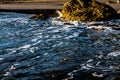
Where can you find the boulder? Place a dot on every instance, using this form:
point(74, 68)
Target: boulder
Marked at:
point(44, 14)
point(87, 10)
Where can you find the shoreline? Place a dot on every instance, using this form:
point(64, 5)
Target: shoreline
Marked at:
point(27, 11)
point(30, 8)
point(36, 7)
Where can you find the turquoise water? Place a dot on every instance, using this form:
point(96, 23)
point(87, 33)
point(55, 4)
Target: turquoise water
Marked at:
point(54, 49)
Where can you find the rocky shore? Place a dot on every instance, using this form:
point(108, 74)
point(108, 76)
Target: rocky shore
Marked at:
point(80, 10)
point(94, 11)
point(90, 10)
point(55, 49)
point(30, 6)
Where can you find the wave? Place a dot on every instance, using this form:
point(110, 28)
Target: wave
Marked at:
point(55, 47)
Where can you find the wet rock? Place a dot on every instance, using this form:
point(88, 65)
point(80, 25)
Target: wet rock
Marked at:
point(39, 16)
point(88, 10)
point(118, 11)
point(117, 77)
point(45, 14)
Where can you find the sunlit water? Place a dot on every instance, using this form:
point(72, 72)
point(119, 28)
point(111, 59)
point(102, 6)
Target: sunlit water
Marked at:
point(54, 49)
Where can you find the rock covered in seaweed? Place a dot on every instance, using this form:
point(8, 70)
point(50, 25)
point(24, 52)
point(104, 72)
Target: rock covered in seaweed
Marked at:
point(88, 10)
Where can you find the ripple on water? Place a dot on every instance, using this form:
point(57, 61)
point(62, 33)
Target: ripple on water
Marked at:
point(57, 49)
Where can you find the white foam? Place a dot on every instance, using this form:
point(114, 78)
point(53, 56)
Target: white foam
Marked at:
point(7, 73)
point(13, 51)
point(97, 75)
point(59, 44)
point(31, 50)
point(12, 68)
point(96, 22)
point(98, 27)
point(90, 60)
point(46, 54)
point(76, 23)
point(14, 19)
point(71, 36)
point(38, 57)
point(98, 63)
point(1, 59)
point(114, 67)
point(86, 66)
point(70, 76)
point(34, 40)
point(56, 22)
point(114, 54)
point(25, 47)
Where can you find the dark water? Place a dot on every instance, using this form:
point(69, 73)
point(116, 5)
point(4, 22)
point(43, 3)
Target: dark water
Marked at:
point(58, 50)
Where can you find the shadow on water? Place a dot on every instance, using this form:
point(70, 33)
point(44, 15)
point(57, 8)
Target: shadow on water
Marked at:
point(58, 50)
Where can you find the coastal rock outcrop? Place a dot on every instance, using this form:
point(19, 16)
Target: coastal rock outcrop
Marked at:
point(87, 10)
point(45, 14)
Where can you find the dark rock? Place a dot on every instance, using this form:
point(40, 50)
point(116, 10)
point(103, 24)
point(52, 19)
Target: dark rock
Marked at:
point(88, 10)
point(117, 77)
point(39, 16)
point(118, 11)
point(114, 76)
point(45, 14)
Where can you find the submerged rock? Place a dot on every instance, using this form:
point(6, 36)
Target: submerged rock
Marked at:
point(88, 10)
point(45, 14)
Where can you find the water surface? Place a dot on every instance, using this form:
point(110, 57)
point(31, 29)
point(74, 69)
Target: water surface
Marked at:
point(54, 49)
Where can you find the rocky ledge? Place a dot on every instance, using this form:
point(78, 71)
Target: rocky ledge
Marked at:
point(45, 14)
point(88, 10)
point(81, 10)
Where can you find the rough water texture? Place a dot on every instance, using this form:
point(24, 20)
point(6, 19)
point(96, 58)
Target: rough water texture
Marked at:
point(53, 49)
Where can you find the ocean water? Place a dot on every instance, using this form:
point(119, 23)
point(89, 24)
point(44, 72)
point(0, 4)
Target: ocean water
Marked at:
point(55, 49)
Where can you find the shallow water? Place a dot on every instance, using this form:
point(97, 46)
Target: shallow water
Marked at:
point(54, 49)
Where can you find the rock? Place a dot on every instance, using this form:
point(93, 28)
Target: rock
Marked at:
point(87, 10)
point(45, 14)
point(118, 11)
point(39, 16)
point(117, 77)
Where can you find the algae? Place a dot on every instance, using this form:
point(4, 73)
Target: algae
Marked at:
point(87, 10)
